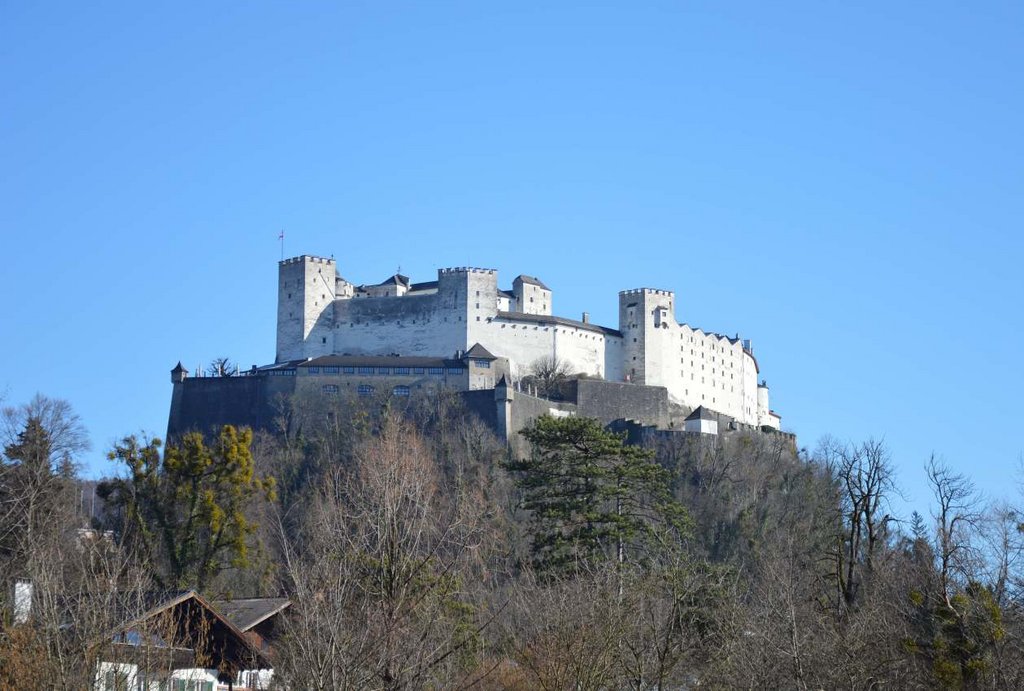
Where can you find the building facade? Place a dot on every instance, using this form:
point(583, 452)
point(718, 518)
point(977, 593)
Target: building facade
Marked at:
point(321, 314)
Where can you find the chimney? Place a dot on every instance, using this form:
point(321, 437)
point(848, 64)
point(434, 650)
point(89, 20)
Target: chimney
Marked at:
point(22, 601)
point(586, 317)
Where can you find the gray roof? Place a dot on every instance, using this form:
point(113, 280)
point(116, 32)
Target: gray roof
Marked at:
point(426, 285)
point(247, 613)
point(701, 413)
point(543, 319)
point(480, 353)
point(397, 279)
point(533, 280)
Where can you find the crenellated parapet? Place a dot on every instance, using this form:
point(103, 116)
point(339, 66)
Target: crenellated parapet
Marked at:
point(466, 270)
point(303, 258)
point(646, 291)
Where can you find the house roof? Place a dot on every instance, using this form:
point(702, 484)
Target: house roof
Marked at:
point(532, 280)
point(249, 612)
point(701, 413)
point(480, 353)
point(221, 638)
point(542, 319)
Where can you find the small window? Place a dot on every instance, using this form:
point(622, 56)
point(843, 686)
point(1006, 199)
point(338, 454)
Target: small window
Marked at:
point(313, 370)
point(401, 370)
point(348, 370)
point(324, 339)
point(417, 370)
point(435, 370)
point(400, 391)
point(329, 388)
point(331, 370)
point(364, 370)
point(455, 370)
point(365, 390)
point(383, 370)
point(483, 364)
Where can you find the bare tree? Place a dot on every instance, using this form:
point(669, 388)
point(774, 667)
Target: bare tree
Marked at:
point(221, 367)
point(957, 515)
point(865, 479)
point(383, 573)
point(548, 374)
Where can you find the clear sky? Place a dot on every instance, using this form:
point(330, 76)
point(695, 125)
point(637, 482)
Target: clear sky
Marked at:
point(840, 182)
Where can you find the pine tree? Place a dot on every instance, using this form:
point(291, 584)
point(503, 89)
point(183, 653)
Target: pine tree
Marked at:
point(592, 497)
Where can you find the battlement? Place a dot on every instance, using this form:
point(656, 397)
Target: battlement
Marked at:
point(306, 257)
point(647, 291)
point(466, 270)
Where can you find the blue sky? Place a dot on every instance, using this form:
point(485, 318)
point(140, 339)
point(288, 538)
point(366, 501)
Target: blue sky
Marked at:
point(842, 184)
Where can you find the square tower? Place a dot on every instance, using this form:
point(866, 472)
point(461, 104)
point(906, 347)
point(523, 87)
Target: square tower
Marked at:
point(305, 307)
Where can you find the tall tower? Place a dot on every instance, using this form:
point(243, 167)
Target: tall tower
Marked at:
point(305, 307)
point(647, 321)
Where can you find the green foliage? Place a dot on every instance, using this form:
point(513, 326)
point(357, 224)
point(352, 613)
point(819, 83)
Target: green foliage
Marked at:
point(186, 510)
point(592, 497)
point(958, 636)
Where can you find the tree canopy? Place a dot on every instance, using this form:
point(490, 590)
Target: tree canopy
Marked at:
point(186, 509)
point(591, 496)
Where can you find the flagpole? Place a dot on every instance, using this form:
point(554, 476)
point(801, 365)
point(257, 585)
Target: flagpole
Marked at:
point(280, 237)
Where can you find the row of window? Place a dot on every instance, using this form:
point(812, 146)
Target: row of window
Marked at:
point(384, 370)
point(367, 390)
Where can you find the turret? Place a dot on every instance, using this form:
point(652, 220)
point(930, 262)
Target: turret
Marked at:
point(763, 407)
point(179, 374)
point(503, 397)
point(305, 307)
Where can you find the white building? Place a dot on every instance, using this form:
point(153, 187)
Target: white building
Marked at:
point(320, 313)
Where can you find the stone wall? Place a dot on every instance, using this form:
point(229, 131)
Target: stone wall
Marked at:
point(608, 401)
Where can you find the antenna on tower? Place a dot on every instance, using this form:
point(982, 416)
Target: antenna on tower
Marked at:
point(280, 236)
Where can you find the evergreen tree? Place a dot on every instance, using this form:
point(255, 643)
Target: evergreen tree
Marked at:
point(29, 490)
point(592, 497)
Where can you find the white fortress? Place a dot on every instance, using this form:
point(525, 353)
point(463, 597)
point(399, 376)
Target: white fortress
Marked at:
point(320, 313)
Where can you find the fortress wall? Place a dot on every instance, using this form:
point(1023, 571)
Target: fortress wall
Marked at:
point(523, 343)
point(608, 401)
point(614, 359)
point(204, 404)
point(408, 325)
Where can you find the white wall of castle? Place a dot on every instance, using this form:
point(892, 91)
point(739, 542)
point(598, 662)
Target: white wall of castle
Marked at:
point(697, 368)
